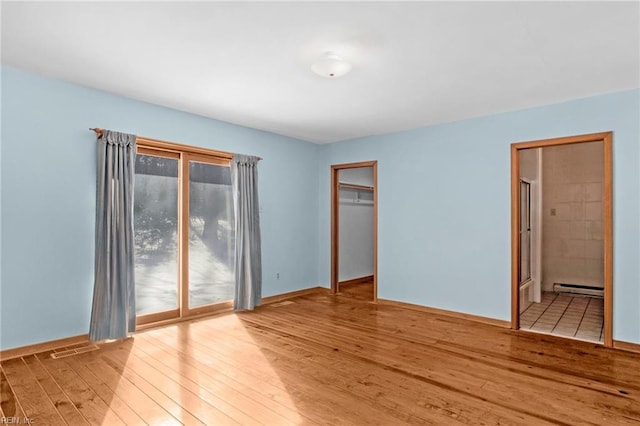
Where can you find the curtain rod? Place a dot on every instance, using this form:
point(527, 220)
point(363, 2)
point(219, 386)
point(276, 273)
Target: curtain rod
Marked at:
point(100, 133)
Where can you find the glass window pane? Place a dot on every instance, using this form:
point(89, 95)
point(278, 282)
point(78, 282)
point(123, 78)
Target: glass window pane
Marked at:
point(211, 235)
point(156, 234)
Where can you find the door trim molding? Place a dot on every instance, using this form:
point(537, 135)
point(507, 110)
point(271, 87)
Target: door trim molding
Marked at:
point(607, 139)
point(335, 202)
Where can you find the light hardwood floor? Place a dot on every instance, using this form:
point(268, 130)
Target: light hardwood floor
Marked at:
point(360, 291)
point(321, 359)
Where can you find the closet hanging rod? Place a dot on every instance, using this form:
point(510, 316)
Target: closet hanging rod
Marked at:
point(359, 202)
point(353, 186)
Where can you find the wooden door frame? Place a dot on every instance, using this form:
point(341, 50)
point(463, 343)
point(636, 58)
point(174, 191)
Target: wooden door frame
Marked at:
point(607, 139)
point(335, 235)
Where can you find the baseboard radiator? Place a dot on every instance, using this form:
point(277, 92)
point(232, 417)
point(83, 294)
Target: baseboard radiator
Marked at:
point(579, 289)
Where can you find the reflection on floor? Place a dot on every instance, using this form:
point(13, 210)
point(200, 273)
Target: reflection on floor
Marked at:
point(566, 315)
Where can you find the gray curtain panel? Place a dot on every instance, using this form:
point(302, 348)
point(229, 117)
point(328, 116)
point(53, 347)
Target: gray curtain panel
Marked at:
point(248, 264)
point(113, 314)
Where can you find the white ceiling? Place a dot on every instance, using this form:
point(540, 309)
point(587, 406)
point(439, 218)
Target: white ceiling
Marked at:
point(414, 63)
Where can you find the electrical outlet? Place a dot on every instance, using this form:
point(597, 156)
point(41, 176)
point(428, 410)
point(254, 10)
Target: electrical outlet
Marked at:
point(277, 275)
point(553, 212)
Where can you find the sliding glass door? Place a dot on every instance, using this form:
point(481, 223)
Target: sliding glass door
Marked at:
point(211, 234)
point(184, 235)
point(156, 235)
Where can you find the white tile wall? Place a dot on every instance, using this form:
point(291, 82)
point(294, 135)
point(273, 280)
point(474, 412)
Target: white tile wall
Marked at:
point(572, 250)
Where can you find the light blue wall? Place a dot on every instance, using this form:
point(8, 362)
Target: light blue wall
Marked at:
point(443, 194)
point(48, 198)
point(444, 205)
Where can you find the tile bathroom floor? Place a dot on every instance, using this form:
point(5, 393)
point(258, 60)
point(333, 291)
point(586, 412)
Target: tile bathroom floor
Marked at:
point(580, 317)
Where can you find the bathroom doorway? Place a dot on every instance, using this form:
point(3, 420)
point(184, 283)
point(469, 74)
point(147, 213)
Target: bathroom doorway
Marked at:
point(561, 208)
point(354, 230)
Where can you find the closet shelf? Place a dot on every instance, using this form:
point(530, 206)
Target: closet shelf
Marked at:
point(354, 186)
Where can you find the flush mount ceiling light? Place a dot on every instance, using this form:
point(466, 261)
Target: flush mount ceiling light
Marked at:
point(331, 65)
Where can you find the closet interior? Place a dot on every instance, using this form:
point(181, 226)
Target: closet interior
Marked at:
point(356, 232)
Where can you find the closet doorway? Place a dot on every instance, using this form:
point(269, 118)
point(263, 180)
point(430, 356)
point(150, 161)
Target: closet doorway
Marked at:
point(354, 246)
point(562, 237)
